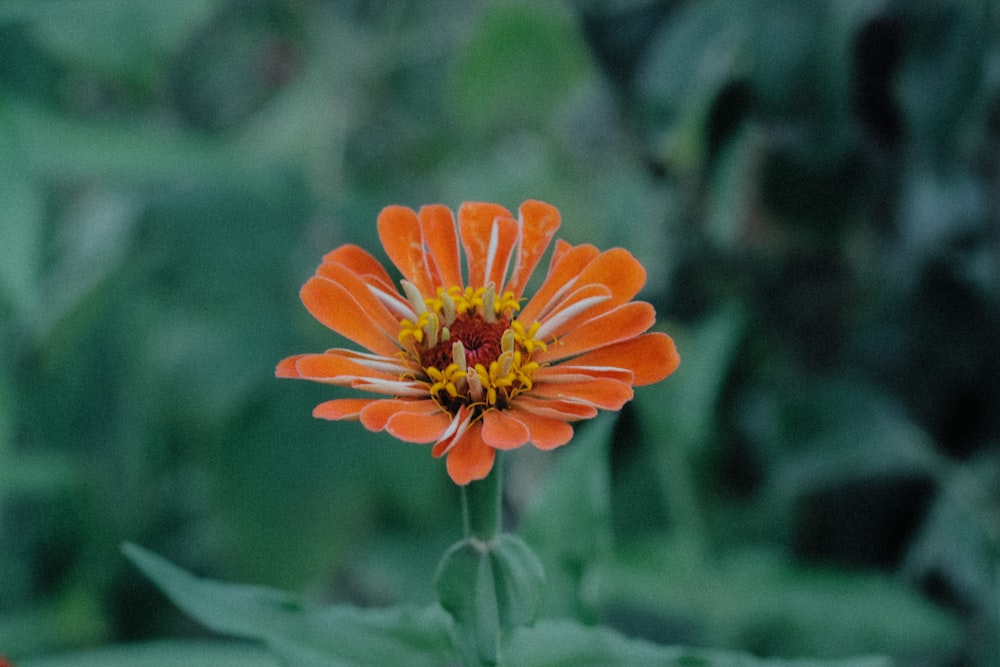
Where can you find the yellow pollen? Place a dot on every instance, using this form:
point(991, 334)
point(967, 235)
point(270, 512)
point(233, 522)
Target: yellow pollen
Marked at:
point(458, 301)
point(451, 380)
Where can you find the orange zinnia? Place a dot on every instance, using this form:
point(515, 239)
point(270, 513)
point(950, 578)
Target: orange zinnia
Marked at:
point(467, 363)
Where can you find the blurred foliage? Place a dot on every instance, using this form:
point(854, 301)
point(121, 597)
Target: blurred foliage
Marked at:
point(813, 188)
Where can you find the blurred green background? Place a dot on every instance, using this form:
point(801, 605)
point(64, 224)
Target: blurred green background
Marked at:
point(813, 188)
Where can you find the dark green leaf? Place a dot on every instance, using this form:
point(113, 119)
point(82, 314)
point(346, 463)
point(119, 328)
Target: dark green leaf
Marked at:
point(162, 654)
point(22, 223)
point(563, 643)
point(131, 152)
point(958, 541)
point(569, 522)
point(299, 633)
point(117, 37)
point(758, 599)
point(680, 411)
point(944, 72)
point(678, 416)
point(521, 60)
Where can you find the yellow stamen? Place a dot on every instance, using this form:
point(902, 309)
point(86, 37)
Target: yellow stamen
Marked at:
point(414, 330)
point(450, 380)
point(526, 337)
point(468, 300)
point(507, 303)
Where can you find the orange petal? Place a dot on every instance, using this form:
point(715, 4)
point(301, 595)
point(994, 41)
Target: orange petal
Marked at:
point(488, 235)
point(286, 367)
point(546, 432)
point(361, 262)
point(561, 272)
point(619, 271)
point(539, 221)
point(579, 305)
point(417, 427)
point(502, 431)
point(335, 369)
point(651, 357)
point(561, 248)
point(565, 372)
point(438, 228)
point(362, 294)
point(470, 458)
point(376, 415)
point(399, 231)
point(394, 366)
point(410, 389)
point(460, 423)
point(599, 392)
point(342, 408)
point(626, 321)
point(556, 409)
point(337, 308)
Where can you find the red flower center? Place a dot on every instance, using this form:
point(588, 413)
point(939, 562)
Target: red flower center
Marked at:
point(481, 339)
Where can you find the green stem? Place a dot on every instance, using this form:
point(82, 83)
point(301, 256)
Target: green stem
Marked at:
point(481, 505)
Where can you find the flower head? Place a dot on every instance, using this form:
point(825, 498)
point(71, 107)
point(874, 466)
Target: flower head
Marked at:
point(463, 359)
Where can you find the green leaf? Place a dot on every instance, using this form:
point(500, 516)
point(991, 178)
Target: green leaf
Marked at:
point(22, 223)
point(119, 38)
point(73, 619)
point(161, 654)
point(958, 540)
point(791, 57)
point(569, 522)
point(757, 599)
point(949, 40)
point(566, 642)
point(698, 52)
point(303, 635)
point(489, 588)
point(561, 642)
point(817, 448)
point(520, 62)
point(678, 416)
point(734, 182)
point(36, 472)
point(131, 152)
point(681, 411)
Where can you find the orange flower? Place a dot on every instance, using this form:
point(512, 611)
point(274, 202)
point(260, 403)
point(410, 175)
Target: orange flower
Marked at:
point(468, 363)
